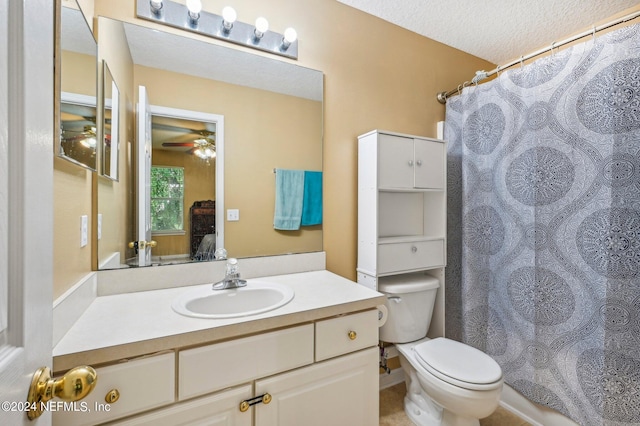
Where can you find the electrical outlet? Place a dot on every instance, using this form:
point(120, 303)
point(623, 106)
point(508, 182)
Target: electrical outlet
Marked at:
point(99, 225)
point(233, 215)
point(84, 230)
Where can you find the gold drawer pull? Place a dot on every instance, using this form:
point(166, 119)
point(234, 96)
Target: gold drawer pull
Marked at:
point(264, 398)
point(112, 396)
point(352, 335)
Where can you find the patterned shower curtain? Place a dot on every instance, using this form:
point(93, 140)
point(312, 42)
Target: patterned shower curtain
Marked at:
point(544, 227)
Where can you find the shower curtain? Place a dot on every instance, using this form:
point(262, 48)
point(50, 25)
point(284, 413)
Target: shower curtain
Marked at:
point(544, 227)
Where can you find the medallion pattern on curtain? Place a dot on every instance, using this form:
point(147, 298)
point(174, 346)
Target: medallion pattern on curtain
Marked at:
point(544, 227)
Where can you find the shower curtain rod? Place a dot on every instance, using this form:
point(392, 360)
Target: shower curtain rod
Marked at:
point(481, 75)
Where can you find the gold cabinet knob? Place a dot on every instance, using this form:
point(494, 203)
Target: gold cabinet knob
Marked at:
point(112, 396)
point(244, 406)
point(152, 243)
point(266, 398)
point(352, 335)
point(73, 386)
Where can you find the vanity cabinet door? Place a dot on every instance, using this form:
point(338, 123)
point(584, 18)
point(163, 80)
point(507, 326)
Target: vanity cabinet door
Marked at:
point(341, 391)
point(220, 409)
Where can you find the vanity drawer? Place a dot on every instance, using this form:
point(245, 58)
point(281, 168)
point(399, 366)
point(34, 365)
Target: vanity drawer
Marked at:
point(344, 334)
point(221, 365)
point(142, 384)
point(410, 256)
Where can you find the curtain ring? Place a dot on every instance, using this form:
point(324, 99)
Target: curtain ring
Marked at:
point(498, 70)
point(553, 44)
point(593, 34)
point(521, 61)
point(459, 89)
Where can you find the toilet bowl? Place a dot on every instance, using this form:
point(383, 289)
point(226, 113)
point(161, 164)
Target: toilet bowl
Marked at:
point(448, 383)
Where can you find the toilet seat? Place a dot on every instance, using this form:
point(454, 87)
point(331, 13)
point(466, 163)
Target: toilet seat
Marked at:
point(459, 364)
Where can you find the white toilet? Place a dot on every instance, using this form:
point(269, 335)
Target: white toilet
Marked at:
point(448, 383)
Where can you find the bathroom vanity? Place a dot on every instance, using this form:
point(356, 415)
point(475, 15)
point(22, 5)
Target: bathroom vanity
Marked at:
point(311, 361)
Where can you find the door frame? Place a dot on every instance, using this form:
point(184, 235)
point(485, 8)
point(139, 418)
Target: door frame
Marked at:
point(26, 196)
point(219, 122)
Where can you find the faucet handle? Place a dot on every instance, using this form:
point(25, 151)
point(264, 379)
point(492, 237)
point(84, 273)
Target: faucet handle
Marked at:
point(233, 269)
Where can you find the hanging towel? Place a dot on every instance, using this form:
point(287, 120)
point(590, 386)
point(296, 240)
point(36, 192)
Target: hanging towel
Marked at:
point(312, 199)
point(289, 193)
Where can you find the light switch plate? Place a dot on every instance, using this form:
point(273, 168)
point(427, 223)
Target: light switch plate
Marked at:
point(233, 215)
point(84, 230)
point(99, 225)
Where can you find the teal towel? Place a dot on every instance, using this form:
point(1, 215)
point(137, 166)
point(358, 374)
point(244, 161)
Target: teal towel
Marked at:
point(312, 199)
point(289, 193)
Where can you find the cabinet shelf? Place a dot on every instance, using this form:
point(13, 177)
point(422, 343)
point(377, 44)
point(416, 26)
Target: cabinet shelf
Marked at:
point(408, 239)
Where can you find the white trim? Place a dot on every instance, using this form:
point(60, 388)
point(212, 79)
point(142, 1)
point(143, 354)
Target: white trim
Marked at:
point(78, 99)
point(535, 414)
point(395, 377)
point(219, 121)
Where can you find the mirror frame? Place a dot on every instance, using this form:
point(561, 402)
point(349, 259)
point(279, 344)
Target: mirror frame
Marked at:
point(110, 149)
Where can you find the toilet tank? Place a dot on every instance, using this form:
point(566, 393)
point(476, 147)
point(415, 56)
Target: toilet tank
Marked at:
point(410, 302)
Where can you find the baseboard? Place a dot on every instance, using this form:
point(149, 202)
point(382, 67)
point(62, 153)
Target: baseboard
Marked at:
point(391, 379)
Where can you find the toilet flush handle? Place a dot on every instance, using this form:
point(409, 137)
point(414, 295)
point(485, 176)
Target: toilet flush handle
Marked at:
point(396, 299)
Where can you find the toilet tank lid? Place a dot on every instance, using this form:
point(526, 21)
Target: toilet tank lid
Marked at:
point(399, 284)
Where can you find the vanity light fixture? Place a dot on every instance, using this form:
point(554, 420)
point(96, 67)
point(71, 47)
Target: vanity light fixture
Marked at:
point(262, 26)
point(229, 16)
point(193, 10)
point(191, 17)
point(156, 6)
point(290, 36)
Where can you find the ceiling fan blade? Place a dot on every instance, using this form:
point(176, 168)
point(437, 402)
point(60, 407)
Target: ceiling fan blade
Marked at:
point(189, 144)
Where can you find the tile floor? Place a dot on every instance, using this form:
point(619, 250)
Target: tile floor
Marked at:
point(392, 411)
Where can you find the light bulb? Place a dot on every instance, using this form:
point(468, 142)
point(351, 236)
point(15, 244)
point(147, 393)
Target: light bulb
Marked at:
point(194, 7)
point(262, 26)
point(290, 35)
point(229, 16)
point(156, 5)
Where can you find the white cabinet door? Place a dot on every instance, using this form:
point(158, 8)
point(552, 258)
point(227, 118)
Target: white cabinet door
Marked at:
point(429, 164)
point(339, 392)
point(395, 161)
point(221, 409)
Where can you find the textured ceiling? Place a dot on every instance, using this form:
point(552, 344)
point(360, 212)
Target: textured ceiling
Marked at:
point(498, 31)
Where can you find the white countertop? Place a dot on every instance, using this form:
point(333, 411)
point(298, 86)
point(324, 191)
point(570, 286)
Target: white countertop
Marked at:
point(134, 324)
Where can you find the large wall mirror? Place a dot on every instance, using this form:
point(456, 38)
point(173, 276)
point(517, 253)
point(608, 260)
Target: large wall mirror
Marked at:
point(78, 126)
point(273, 116)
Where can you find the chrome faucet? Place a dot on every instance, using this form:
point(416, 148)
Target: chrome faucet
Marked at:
point(231, 278)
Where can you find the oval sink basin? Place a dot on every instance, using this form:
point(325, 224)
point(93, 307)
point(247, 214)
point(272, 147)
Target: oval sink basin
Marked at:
point(257, 297)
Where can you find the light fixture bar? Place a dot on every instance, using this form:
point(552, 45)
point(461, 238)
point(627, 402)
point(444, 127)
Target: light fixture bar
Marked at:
point(211, 25)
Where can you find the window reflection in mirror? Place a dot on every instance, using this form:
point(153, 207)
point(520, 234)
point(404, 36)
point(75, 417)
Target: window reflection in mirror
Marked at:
point(183, 174)
point(78, 129)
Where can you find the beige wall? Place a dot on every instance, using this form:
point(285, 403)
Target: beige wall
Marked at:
point(115, 197)
point(72, 188)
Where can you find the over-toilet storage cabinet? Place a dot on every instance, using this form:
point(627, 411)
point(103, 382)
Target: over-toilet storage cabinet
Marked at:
point(402, 211)
point(317, 373)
